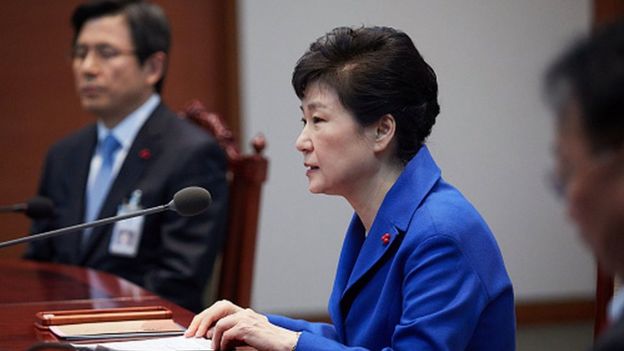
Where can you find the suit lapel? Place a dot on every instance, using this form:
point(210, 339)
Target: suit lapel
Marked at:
point(375, 246)
point(391, 222)
point(612, 338)
point(350, 250)
point(148, 140)
point(77, 185)
point(359, 255)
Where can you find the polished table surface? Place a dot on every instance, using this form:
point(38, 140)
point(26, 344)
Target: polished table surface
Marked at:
point(28, 287)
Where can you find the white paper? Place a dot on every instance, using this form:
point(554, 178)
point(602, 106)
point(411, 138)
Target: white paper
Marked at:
point(118, 329)
point(175, 343)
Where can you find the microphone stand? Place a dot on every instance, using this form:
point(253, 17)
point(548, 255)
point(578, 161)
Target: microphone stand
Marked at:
point(13, 208)
point(77, 227)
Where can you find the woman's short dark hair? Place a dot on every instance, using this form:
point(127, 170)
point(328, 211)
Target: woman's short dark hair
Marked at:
point(591, 74)
point(148, 25)
point(375, 71)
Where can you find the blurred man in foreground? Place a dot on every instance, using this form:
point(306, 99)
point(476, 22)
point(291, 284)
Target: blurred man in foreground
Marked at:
point(586, 85)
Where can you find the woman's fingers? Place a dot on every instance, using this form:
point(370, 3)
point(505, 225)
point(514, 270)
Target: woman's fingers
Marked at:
point(233, 337)
point(222, 326)
point(201, 323)
point(250, 328)
point(229, 326)
point(233, 328)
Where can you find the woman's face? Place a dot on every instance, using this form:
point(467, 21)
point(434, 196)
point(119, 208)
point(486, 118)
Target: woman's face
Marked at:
point(337, 152)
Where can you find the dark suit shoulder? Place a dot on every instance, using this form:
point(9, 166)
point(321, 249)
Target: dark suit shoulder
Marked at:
point(81, 138)
point(193, 132)
point(182, 132)
point(73, 147)
point(612, 339)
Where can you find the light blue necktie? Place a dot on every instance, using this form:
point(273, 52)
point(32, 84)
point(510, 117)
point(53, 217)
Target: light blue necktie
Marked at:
point(102, 182)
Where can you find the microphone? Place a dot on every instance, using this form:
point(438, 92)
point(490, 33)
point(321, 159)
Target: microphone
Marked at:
point(187, 202)
point(36, 207)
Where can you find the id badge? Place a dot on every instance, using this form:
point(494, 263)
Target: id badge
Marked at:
point(127, 233)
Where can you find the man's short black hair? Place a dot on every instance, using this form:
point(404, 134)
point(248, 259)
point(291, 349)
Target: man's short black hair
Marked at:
point(591, 74)
point(148, 25)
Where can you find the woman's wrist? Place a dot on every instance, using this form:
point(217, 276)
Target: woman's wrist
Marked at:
point(294, 345)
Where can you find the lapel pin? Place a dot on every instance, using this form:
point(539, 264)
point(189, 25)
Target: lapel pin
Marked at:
point(385, 239)
point(145, 154)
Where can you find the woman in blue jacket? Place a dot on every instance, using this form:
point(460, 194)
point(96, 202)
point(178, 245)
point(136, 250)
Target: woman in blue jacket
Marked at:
point(419, 268)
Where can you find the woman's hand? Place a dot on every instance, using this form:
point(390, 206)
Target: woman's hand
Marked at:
point(201, 323)
point(229, 326)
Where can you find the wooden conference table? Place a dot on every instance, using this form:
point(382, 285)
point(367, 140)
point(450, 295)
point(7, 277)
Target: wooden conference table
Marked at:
point(29, 287)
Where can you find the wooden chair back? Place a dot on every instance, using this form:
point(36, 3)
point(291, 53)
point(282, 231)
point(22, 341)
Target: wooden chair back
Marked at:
point(246, 175)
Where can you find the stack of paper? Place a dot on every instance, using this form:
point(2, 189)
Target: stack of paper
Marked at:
point(121, 329)
point(176, 343)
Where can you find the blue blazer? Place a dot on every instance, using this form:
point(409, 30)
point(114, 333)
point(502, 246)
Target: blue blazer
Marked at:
point(428, 276)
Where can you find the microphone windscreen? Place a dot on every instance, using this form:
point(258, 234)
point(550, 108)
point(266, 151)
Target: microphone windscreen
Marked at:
point(39, 207)
point(191, 201)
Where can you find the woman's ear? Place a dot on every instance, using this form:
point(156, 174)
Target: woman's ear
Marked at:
point(154, 67)
point(384, 132)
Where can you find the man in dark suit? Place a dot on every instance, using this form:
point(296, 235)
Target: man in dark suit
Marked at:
point(137, 155)
point(586, 85)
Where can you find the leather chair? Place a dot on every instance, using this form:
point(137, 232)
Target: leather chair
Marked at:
point(246, 175)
